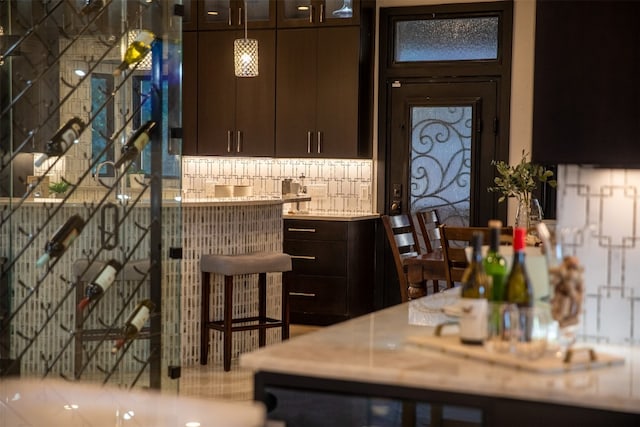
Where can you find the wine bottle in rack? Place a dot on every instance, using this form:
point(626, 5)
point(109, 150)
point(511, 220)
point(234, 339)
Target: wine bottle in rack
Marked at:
point(137, 50)
point(91, 6)
point(134, 323)
point(66, 135)
point(473, 301)
point(99, 285)
point(136, 143)
point(61, 239)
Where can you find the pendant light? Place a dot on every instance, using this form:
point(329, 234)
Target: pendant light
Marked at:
point(245, 53)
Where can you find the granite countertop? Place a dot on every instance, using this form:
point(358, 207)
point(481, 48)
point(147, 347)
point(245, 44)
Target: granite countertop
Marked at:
point(221, 201)
point(375, 349)
point(333, 217)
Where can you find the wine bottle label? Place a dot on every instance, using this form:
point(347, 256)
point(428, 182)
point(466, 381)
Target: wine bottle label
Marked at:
point(145, 37)
point(69, 238)
point(140, 317)
point(106, 277)
point(141, 141)
point(473, 320)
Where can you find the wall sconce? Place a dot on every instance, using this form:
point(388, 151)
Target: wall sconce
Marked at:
point(245, 53)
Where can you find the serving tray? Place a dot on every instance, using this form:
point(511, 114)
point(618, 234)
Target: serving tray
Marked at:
point(578, 359)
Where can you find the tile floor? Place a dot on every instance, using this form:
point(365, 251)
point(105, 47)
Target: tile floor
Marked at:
point(211, 381)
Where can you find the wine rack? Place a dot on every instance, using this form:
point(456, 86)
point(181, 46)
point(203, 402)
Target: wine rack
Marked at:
point(65, 113)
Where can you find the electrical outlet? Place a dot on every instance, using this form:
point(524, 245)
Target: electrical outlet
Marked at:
point(318, 191)
point(365, 191)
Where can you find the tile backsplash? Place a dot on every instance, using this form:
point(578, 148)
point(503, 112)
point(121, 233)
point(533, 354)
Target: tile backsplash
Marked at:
point(599, 208)
point(336, 186)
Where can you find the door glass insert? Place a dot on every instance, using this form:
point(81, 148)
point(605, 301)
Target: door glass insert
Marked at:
point(457, 39)
point(441, 161)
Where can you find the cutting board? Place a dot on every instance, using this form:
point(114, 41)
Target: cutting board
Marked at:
point(547, 364)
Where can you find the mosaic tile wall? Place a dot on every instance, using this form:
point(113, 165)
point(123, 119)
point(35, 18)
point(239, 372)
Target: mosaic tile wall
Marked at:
point(336, 186)
point(599, 208)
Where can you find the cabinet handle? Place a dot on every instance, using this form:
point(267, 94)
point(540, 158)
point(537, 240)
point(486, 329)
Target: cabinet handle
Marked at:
point(308, 142)
point(301, 294)
point(321, 17)
point(307, 257)
point(305, 230)
point(230, 17)
point(311, 14)
point(239, 146)
point(319, 142)
point(239, 16)
point(229, 140)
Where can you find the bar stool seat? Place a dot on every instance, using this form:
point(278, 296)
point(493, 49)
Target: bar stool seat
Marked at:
point(229, 266)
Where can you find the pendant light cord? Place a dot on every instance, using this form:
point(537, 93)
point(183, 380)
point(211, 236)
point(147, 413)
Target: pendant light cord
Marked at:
point(245, 19)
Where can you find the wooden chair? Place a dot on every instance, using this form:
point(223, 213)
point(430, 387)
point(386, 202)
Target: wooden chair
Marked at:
point(455, 239)
point(429, 222)
point(413, 266)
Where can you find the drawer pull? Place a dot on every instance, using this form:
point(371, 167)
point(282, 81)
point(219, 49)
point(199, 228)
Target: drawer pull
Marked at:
point(303, 257)
point(303, 230)
point(301, 294)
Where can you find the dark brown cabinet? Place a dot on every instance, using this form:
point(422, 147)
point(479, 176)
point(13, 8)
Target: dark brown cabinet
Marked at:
point(586, 87)
point(189, 92)
point(333, 269)
point(317, 92)
point(236, 116)
point(230, 14)
point(311, 13)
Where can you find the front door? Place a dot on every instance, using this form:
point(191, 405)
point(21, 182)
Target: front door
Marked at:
point(443, 137)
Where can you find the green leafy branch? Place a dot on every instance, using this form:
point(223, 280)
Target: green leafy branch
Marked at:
point(520, 180)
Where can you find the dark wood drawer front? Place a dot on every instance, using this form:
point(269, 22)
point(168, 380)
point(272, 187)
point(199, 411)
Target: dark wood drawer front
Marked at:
point(317, 257)
point(314, 230)
point(320, 295)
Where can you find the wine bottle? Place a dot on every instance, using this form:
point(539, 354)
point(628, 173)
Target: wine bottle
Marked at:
point(473, 302)
point(518, 287)
point(91, 6)
point(137, 50)
point(136, 143)
point(494, 264)
point(68, 134)
point(62, 239)
point(134, 323)
point(99, 285)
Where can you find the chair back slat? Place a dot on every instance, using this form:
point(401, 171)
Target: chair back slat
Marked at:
point(429, 222)
point(402, 239)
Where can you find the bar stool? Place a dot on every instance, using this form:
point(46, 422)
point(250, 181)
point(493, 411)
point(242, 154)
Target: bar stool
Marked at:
point(259, 263)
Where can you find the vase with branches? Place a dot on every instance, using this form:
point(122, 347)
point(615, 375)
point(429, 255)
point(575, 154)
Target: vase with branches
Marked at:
point(520, 181)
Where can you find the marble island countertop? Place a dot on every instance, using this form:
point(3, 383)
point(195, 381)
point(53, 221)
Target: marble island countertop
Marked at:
point(375, 349)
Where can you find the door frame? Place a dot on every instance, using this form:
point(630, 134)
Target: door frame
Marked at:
point(388, 71)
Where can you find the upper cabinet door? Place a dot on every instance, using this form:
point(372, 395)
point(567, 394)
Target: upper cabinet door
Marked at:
point(190, 17)
point(311, 13)
point(230, 14)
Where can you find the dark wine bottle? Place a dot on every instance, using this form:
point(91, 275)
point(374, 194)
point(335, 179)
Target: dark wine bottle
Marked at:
point(62, 239)
point(136, 143)
point(518, 287)
point(473, 301)
point(494, 264)
point(68, 134)
point(91, 6)
point(99, 285)
point(134, 323)
point(137, 50)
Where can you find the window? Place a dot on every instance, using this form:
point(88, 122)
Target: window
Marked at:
point(102, 123)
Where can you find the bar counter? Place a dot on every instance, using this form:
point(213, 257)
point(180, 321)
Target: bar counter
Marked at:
point(371, 356)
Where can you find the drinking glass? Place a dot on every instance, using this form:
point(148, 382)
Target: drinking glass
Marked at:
point(530, 333)
point(501, 327)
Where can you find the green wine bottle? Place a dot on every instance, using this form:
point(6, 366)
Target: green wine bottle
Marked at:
point(494, 264)
point(137, 50)
point(473, 302)
point(136, 143)
point(134, 323)
point(518, 288)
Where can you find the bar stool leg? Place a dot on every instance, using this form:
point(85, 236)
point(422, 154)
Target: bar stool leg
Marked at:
point(285, 307)
point(228, 321)
point(204, 318)
point(262, 308)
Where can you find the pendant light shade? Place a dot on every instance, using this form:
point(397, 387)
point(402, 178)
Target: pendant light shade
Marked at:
point(245, 53)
